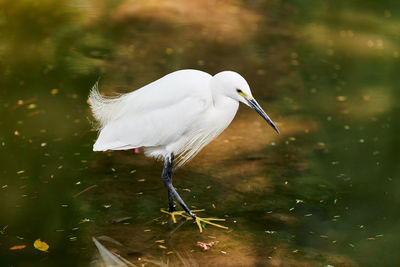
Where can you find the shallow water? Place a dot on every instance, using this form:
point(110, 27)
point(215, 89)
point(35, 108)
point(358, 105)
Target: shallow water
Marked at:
point(323, 193)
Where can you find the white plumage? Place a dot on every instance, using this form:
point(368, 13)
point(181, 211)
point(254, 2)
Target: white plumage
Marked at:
point(179, 113)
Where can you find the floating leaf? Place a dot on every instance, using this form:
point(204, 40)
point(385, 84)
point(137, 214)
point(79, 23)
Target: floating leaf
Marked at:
point(31, 106)
point(40, 245)
point(17, 247)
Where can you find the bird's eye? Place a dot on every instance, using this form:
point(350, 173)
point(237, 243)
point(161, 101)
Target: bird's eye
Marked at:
point(239, 91)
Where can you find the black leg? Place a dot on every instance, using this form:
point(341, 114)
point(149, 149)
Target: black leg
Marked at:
point(167, 179)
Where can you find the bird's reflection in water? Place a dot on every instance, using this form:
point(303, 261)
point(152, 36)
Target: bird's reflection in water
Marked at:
point(112, 253)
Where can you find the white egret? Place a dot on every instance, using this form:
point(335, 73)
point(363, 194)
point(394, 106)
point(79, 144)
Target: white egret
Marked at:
point(172, 117)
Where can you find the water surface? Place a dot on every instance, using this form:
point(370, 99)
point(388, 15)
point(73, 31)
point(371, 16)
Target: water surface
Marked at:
point(323, 193)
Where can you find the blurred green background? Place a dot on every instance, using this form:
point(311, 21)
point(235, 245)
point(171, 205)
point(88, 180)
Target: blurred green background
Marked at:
point(323, 193)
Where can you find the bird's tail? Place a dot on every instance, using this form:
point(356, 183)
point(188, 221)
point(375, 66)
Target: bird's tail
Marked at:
point(103, 108)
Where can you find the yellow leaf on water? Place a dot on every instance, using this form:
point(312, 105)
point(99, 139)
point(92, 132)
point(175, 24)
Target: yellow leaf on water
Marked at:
point(40, 245)
point(31, 106)
point(341, 98)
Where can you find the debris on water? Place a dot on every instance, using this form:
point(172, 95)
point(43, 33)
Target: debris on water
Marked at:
point(85, 220)
point(206, 246)
point(31, 106)
point(118, 220)
point(73, 238)
point(17, 247)
point(161, 241)
point(375, 153)
point(321, 144)
point(54, 91)
point(107, 206)
point(270, 232)
point(40, 245)
point(141, 180)
point(308, 215)
point(161, 246)
point(351, 245)
point(341, 98)
point(85, 190)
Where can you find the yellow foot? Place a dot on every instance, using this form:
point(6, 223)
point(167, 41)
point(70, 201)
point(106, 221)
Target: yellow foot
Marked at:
point(175, 213)
point(198, 220)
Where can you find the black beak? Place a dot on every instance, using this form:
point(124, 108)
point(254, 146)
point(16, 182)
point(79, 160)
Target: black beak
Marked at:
point(254, 105)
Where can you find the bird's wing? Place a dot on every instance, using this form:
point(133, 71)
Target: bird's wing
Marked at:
point(156, 127)
point(155, 115)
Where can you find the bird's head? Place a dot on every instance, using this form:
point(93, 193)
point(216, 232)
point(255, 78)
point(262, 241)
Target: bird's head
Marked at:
point(233, 85)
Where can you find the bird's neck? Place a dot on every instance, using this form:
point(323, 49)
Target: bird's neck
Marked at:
point(225, 105)
point(222, 101)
